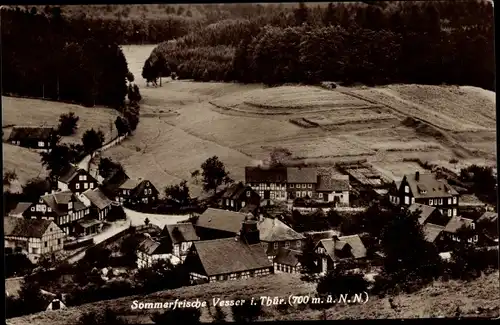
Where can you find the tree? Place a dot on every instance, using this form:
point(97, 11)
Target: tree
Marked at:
point(107, 167)
point(178, 193)
point(116, 213)
point(97, 256)
point(279, 156)
point(214, 174)
point(57, 159)
point(178, 316)
point(68, 123)
point(9, 176)
point(309, 260)
point(31, 296)
point(246, 312)
point(92, 140)
point(130, 77)
point(35, 188)
point(122, 126)
point(107, 317)
point(408, 256)
point(301, 14)
point(464, 258)
point(146, 221)
point(340, 282)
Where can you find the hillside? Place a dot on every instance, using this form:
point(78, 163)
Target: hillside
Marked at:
point(185, 122)
point(438, 300)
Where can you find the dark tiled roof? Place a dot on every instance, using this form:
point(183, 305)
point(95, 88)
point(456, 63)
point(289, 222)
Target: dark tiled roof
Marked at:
point(115, 180)
point(234, 191)
point(130, 184)
point(140, 188)
point(287, 257)
point(358, 249)
point(223, 256)
point(250, 208)
point(456, 223)
point(29, 228)
point(273, 230)
point(489, 216)
point(30, 133)
point(428, 186)
point(261, 175)
point(425, 211)
point(180, 232)
point(68, 173)
point(152, 247)
point(20, 208)
point(219, 219)
point(327, 183)
point(301, 175)
point(317, 236)
point(432, 231)
point(62, 197)
point(97, 198)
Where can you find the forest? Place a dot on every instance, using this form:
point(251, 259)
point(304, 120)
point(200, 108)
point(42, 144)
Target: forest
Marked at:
point(446, 42)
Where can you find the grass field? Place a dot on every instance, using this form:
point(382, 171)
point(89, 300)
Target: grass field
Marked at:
point(437, 300)
point(184, 122)
point(24, 162)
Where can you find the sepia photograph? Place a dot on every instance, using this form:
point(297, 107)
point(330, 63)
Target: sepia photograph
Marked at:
point(249, 162)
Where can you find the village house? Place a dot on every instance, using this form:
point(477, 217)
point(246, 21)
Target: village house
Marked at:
point(270, 183)
point(488, 228)
point(274, 234)
point(455, 224)
point(137, 191)
point(240, 257)
point(433, 233)
point(301, 182)
point(99, 204)
point(333, 189)
point(76, 180)
point(31, 137)
point(180, 238)
point(238, 196)
point(111, 184)
point(337, 250)
point(64, 208)
point(428, 190)
point(287, 261)
point(428, 214)
point(33, 237)
point(151, 251)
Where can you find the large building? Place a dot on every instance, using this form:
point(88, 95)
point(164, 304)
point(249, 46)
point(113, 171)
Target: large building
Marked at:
point(270, 183)
point(428, 190)
point(239, 257)
point(32, 237)
point(31, 137)
point(64, 208)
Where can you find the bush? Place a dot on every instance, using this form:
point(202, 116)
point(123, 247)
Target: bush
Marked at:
point(68, 124)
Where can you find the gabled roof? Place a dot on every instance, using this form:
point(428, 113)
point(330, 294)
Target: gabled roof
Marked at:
point(28, 228)
point(20, 208)
point(428, 186)
point(219, 219)
point(301, 175)
point(425, 211)
point(235, 191)
point(97, 198)
point(456, 223)
point(130, 184)
point(317, 236)
point(63, 197)
point(273, 230)
point(229, 255)
point(30, 133)
point(328, 183)
point(180, 232)
point(358, 249)
point(489, 216)
point(140, 188)
point(432, 231)
point(287, 257)
point(68, 174)
point(262, 175)
point(116, 179)
point(152, 247)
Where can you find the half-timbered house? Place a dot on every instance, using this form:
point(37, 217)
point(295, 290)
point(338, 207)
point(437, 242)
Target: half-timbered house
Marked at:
point(180, 238)
point(339, 250)
point(151, 251)
point(287, 261)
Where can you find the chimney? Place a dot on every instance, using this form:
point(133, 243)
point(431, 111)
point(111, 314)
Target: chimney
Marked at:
point(417, 176)
point(249, 231)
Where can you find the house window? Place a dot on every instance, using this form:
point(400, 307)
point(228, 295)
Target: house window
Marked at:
point(243, 204)
point(124, 191)
point(287, 244)
point(407, 189)
point(440, 202)
point(248, 193)
point(298, 244)
point(291, 185)
point(297, 194)
point(49, 209)
point(227, 202)
point(275, 245)
point(146, 191)
point(80, 178)
point(449, 200)
point(431, 202)
point(85, 185)
point(449, 212)
point(77, 186)
point(91, 185)
point(59, 242)
point(303, 185)
point(41, 143)
point(45, 243)
point(454, 200)
point(309, 185)
point(33, 209)
point(454, 212)
point(412, 200)
point(407, 200)
point(304, 193)
point(310, 194)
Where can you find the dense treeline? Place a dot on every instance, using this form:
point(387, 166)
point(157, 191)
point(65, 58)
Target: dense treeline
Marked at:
point(425, 42)
point(47, 56)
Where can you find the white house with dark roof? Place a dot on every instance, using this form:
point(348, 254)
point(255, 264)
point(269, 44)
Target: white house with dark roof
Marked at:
point(31, 137)
point(339, 249)
point(151, 251)
point(455, 224)
point(98, 202)
point(64, 208)
point(180, 237)
point(269, 183)
point(428, 190)
point(301, 182)
point(76, 180)
point(276, 235)
point(33, 237)
point(332, 188)
point(239, 257)
point(238, 196)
